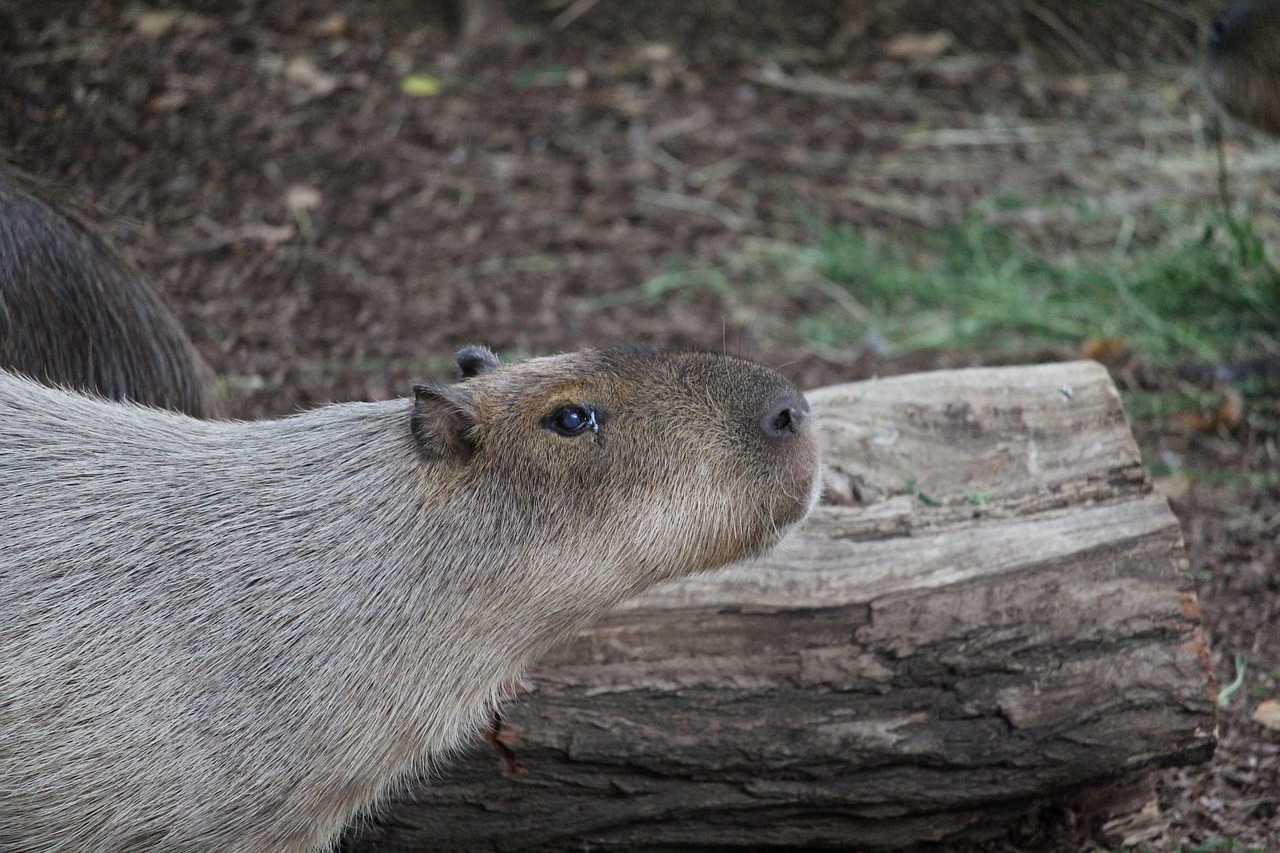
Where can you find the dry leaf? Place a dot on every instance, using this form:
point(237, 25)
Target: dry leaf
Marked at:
point(656, 52)
point(168, 102)
point(1226, 417)
point(299, 198)
point(156, 24)
point(301, 71)
point(1231, 412)
point(1187, 422)
point(271, 235)
point(919, 46)
point(1267, 714)
point(1102, 349)
point(333, 26)
point(1134, 828)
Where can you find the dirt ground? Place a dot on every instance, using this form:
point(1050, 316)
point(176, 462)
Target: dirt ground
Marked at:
point(326, 235)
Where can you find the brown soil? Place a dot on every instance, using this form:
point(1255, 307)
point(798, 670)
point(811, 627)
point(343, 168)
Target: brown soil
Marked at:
point(326, 236)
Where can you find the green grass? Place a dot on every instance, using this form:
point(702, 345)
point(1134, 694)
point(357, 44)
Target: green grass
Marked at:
point(1213, 297)
point(1190, 291)
point(1252, 480)
point(1221, 845)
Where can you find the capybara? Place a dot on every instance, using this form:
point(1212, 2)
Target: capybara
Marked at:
point(235, 636)
point(1242, 62)
point(74, 313)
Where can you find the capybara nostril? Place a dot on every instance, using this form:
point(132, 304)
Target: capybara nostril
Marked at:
point(784, 419)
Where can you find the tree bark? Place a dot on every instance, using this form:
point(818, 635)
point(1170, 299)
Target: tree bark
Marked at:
point(992, 606)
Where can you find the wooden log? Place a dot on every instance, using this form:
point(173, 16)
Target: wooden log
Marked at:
point(999, 610)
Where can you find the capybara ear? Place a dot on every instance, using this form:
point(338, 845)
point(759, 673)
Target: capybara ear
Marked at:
point(475, 359)
point(443, 422)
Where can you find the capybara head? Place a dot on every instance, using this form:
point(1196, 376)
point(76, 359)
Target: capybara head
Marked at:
point(1242, 62)
point(670, 462)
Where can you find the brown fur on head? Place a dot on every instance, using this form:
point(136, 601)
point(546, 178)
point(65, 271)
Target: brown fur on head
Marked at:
point(235, 636)
point(642, 416)
point(1242, 62)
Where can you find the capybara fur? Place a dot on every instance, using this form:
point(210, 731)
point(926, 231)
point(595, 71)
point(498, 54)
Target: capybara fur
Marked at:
point(237, 636)
point(1242, 62)
point(74, 313)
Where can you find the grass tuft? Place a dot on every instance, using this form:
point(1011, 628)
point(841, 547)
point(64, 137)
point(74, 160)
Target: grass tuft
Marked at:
point(1212, 297)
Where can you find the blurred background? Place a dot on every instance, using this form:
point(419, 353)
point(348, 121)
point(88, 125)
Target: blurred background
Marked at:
point(336, 194)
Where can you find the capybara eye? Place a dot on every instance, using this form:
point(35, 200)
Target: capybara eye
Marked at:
point(572, 419)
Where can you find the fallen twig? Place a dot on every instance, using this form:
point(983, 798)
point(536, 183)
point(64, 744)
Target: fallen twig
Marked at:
point(772, 75)
point(691, 204)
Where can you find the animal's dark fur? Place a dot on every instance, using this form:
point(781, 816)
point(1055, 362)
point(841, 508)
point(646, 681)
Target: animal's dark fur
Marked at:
point(74, 313)
point(1242, 62)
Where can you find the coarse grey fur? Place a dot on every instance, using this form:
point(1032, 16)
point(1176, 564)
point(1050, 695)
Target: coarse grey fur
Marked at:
point(235, 636)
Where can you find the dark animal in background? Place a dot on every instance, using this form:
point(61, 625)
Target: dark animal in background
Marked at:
point(1242, 62)
point(236, 636)
point(74, 313)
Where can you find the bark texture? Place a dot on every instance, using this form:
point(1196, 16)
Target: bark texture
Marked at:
point(993, 606)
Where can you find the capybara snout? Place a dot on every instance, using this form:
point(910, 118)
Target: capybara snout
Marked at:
point(608, 431)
